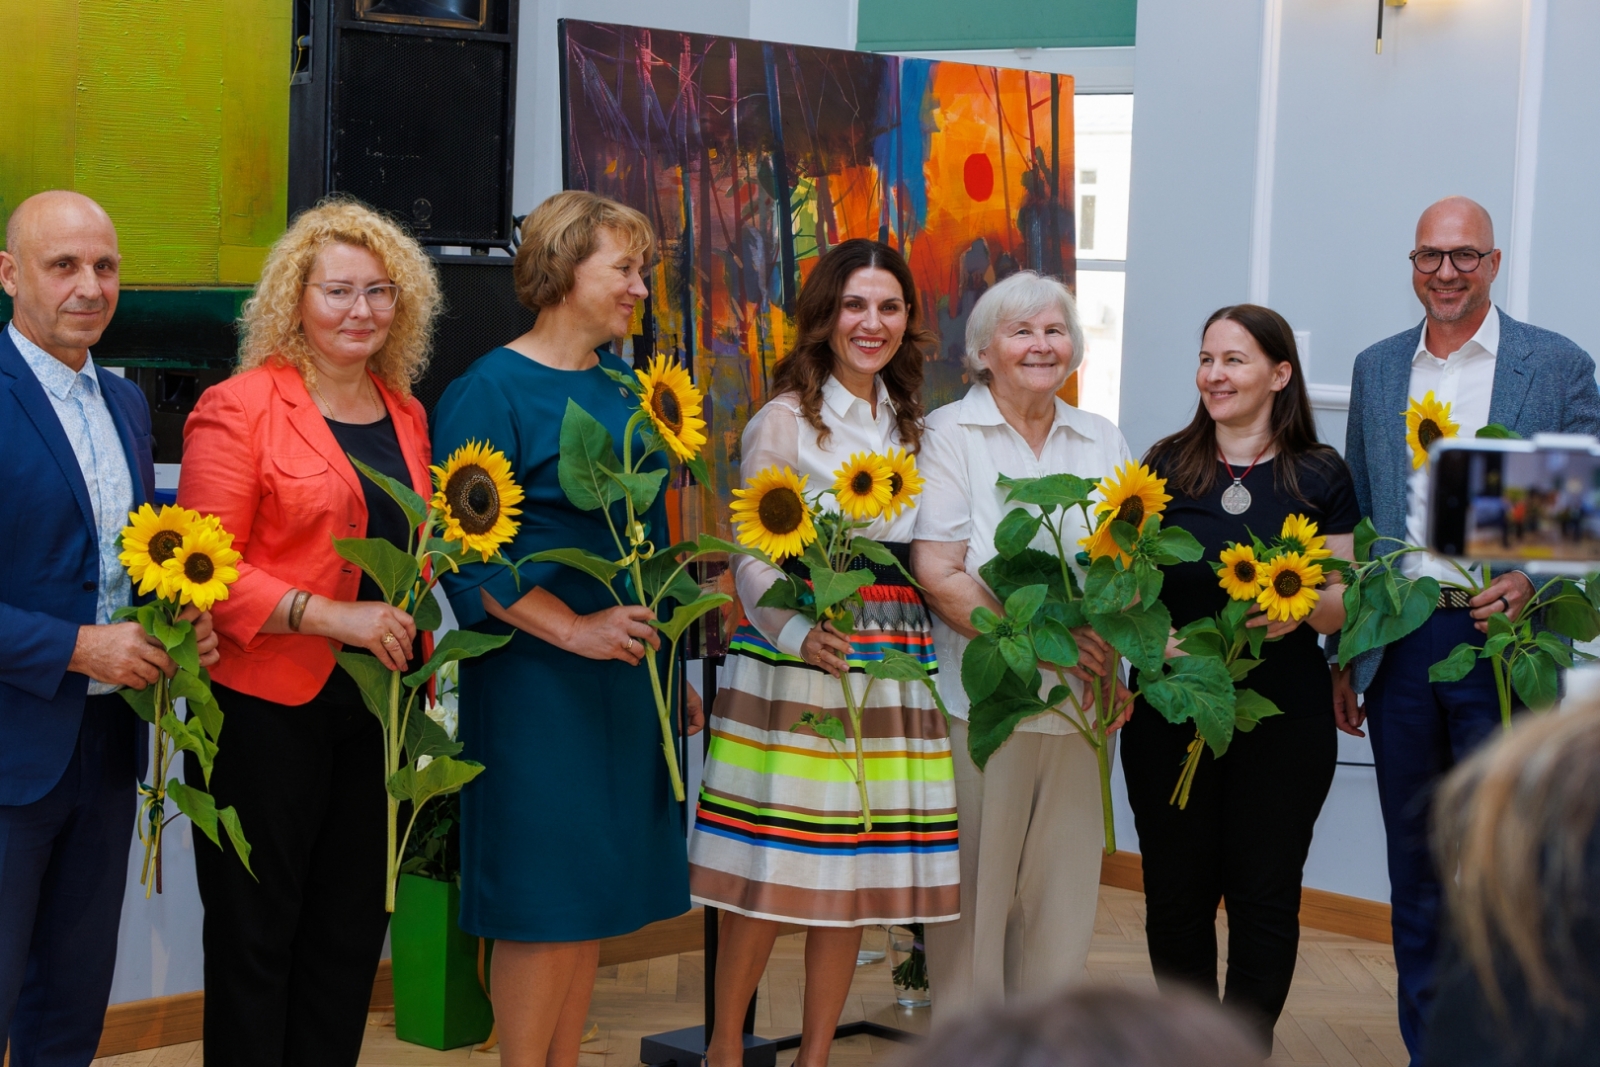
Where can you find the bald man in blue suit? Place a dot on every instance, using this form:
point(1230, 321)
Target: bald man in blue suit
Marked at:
point(1491, 369)
point(77, 446)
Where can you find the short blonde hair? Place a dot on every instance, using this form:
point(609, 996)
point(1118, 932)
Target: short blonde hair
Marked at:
point(271, 319)
point(561, 233)
point(1021, 296)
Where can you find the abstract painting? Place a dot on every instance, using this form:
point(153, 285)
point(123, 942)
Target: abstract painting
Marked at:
point(751, 159)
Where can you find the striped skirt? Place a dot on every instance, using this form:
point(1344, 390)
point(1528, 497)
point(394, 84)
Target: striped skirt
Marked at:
point(779, 832)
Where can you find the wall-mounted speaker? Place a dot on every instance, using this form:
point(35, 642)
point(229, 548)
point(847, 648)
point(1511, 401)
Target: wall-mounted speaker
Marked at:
point(408, 105)
point(480, 313)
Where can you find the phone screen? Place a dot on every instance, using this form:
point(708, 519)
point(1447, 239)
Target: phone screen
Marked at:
point(1522, 504)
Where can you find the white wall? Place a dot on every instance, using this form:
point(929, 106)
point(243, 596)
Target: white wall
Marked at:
point(1298, 184)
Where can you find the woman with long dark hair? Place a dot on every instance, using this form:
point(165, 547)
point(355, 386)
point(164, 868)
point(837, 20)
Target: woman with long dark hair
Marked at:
point(779, 835)
point(1247, 461)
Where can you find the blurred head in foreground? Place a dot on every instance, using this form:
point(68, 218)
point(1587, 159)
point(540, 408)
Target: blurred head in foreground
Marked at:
point(1519, 827)
point(1093, 1027)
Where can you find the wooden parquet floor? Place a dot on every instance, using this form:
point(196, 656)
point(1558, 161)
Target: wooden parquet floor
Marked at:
point(1341, 1010)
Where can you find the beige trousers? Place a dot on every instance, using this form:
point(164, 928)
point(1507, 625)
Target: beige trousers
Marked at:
point(1031, 841)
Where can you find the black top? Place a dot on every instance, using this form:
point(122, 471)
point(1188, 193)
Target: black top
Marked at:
point(1293, 672)
point(376, 445)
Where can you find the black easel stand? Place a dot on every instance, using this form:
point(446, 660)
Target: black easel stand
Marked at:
point(687, 1047)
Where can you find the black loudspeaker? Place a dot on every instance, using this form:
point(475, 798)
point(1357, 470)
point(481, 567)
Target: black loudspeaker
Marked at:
point(480, 313)
point(408, 106)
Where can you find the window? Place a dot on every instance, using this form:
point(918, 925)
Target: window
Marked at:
point(1103, 145)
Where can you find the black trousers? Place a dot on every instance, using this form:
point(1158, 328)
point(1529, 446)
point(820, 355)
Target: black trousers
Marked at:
point(290, 955)
point(63, 868)
point(1243, 838)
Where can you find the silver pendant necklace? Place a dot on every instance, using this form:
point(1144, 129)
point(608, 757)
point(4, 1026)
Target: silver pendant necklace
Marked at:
point(1236, 498)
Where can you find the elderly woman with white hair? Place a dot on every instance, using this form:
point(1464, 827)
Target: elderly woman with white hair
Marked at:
point(1031, 821)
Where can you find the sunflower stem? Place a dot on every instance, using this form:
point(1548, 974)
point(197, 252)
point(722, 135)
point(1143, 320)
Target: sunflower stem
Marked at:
point(1102, 755)
point(391, 767)
point(861, 761)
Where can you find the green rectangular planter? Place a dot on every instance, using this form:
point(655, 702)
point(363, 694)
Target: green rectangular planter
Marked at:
point(437, 1000)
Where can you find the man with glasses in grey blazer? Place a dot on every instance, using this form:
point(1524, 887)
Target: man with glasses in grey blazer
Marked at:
point(1489, 368)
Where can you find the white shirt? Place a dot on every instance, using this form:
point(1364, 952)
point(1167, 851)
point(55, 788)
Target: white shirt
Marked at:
point(96, 445)
point(966, 448)
point(1465, 381)
point(779, 436)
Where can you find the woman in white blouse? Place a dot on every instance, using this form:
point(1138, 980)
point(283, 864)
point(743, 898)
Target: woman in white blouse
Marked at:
point(779, 834)
point(1031, 821)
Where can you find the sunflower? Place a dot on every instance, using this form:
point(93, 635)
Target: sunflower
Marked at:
point(476, 498)
point(1288, 588)
point(1240, 573)
point(772, 515)
point(1131, 494)
point(1427, 421)
point(200, 572)
point(674, 406)
point(1300, 535)
point(150, 539)
point(904, 481)
point(863, 485)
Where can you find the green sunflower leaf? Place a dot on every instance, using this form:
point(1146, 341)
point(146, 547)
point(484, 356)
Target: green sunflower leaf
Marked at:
point(1058, 490)
point(641, 487)
point(1365, 535)
point(1572, 615)
point(982, 667)
point(1557, 649)
point(393, 570)
point(1053, 641)
point(597, 567)
point(994, 718)
point(142, 701)
point(1533, 676)
point(1455, 666)
point(829, 726)
point(455, 645)
point(1016, 532)
point(588, 454)
point(410, 501)
point(1249, 708)
point(685, 614)
point(1495, 431)
point(372, 678)
point(1140, 634)
point(1024, 604)
point(1195, 688)
point(427, 614)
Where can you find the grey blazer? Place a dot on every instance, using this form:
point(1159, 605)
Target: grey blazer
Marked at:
point(1543, 383)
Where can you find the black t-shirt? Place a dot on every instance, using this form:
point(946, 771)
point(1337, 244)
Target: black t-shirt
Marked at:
point(1293, 672)
point(376, 445)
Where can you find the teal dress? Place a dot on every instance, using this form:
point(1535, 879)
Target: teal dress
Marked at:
point(571, 832)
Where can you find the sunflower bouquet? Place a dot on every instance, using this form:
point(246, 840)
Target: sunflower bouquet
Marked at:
point(777, 520)
point(183, 558)
point(594, 477)
point(1118, 597)
point(471, 514)
point(1281, 579)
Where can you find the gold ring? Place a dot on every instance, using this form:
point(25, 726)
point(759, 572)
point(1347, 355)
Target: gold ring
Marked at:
point(627, 645)
point(388, 639)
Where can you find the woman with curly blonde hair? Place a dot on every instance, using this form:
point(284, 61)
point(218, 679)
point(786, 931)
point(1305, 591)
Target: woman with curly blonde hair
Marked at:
point(336, 333)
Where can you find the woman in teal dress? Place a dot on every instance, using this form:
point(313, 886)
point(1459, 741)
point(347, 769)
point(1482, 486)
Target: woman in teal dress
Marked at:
point(571, 833)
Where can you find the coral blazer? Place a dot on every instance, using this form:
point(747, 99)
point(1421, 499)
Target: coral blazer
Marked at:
point(259, 455)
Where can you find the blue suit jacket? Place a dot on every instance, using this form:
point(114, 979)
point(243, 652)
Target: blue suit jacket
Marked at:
point(48, 571)
point(1543, 383)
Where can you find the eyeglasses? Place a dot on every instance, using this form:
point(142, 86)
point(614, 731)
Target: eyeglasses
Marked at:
point(1465, 260)
point(341, 296)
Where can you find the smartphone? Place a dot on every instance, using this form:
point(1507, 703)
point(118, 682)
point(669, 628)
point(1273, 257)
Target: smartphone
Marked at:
point(1514, 501)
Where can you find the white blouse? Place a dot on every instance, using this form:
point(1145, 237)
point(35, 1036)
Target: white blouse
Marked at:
point(779, 436)
point(966, 448)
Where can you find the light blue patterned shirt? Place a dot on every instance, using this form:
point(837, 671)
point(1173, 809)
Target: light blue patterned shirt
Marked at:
point(81, 407)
